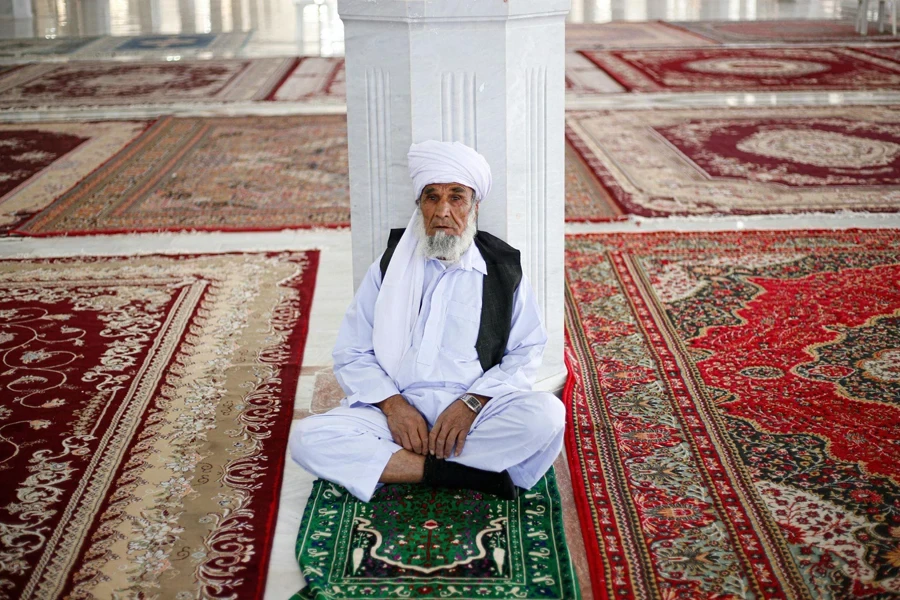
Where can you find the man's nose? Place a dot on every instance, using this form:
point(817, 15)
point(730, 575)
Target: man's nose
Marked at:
point(443, 208)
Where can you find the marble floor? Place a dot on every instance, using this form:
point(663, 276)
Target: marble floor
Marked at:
point(313, 27)
point(277, 26)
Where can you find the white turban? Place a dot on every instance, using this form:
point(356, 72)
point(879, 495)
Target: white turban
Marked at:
point(448, 162)
point(400, 296)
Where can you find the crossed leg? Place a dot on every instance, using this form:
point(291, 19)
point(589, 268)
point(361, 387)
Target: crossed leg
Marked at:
point(520, 433)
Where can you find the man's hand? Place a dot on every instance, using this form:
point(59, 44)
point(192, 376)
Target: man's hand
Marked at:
point(407, 424)
point(451, 428)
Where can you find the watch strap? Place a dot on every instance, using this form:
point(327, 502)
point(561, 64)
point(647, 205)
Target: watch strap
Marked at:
point(472, 402)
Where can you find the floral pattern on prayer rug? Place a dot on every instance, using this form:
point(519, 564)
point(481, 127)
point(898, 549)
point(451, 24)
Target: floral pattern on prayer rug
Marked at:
point(147, 403)
point(239, 174)
point(717, 69)
point(316, 79)
point(621, 34)
point(40, 161)
point(57, 85)
point(412, 541)
point(734, 413)
point(783, 31)
point(744, 161)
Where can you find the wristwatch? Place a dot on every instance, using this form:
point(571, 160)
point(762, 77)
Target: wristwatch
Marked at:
point(472, 402)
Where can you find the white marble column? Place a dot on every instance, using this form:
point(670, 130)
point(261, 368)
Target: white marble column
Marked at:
point(489, 73)
point(16, 9)
point(96, 17)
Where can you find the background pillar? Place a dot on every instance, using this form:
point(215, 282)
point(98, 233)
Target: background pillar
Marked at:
point(489, 73)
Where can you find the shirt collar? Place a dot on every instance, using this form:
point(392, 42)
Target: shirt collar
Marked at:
point(470, 260)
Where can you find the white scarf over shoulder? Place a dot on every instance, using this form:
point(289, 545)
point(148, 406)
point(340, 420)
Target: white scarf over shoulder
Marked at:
point(400, 297)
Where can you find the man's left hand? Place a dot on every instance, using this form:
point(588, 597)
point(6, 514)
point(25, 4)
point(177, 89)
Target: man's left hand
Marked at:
point(451, 428)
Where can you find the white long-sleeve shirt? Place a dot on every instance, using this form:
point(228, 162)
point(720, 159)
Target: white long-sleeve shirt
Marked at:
point(441, 363)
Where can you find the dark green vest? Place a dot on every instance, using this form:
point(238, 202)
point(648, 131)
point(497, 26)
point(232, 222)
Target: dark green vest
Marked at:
point(504, 273)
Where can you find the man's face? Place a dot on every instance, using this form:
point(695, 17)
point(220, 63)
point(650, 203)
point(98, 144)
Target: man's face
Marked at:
point(445, 207)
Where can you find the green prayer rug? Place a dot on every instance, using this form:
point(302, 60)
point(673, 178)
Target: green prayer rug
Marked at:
point(413, 541)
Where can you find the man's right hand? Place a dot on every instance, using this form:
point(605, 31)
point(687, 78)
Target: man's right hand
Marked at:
point(407, 424)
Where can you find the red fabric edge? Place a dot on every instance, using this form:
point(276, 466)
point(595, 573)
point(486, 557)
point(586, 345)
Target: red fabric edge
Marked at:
point(290, 378)
point(628, 87)
point(341, 64)
point(571, 137)
point(689, 32)
point(597, 219)
point(270, 97)
point(579, 492)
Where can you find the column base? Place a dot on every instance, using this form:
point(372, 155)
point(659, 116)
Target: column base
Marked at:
point(553, 383)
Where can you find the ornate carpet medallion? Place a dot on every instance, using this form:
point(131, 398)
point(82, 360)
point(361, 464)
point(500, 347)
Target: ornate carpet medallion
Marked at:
point(744, 161)
point(734, 412)
point(747, 69)
point(139, 83)
point(245, 173)
point(417, 542)
point(38, 162)
point(144, 421)
point(782, 31)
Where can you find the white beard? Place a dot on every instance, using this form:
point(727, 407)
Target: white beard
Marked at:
point(442, 245)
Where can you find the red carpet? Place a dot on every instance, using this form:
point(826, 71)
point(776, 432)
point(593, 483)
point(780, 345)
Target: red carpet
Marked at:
point(813, 31)
point(743, 161)
point(39, 161)
point(146, 408)
point(735, 414)
point(220, 174)
point(623, 34)
point(56, 85)
point(715, 69)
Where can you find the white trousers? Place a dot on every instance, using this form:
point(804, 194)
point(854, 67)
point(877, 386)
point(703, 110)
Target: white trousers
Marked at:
point(521, 433)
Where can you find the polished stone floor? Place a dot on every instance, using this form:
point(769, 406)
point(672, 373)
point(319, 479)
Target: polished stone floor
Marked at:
point(313, 26)
point(275, 25)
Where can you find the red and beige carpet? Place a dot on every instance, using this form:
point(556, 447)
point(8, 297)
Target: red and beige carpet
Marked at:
point(734, 412)
point(215, 174)
point(811, 31)
point(223, 174)
point(143, 431)
point(45, 85)
point(623, 34)
point(40, 161)
point(314, 79)
point(710, 161)
point(181, 45)
point(717, 69)
point(42, 47)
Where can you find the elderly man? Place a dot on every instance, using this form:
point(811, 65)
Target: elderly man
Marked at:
point(438, 353)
